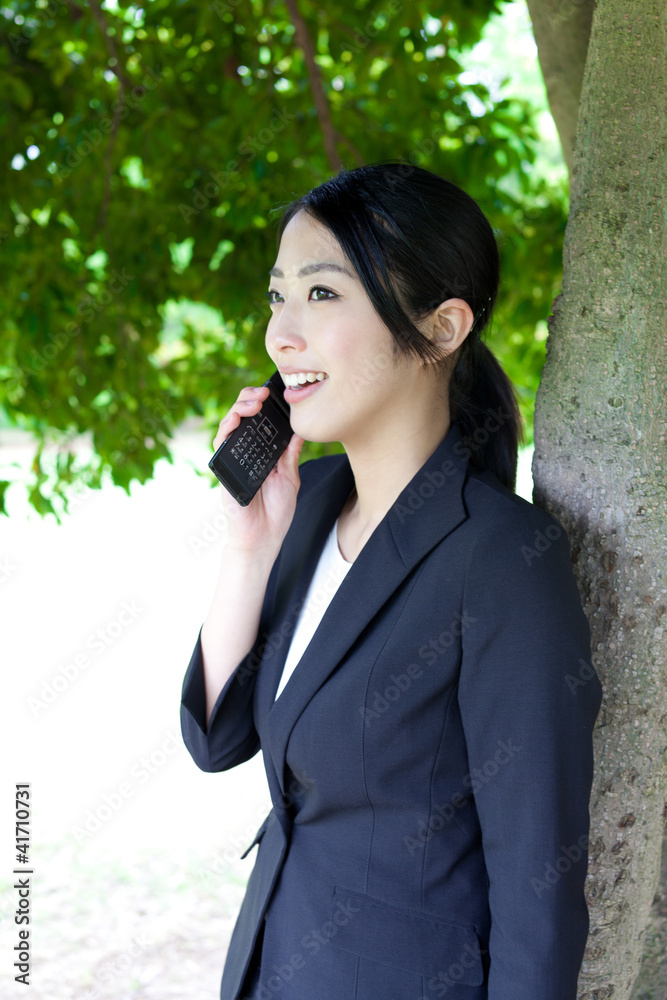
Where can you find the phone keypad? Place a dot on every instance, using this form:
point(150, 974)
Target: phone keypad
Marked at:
point(255, 448)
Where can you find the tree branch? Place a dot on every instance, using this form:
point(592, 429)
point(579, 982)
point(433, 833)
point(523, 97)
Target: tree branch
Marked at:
point(108, 164)
point(562, 29)
point(304, 42)
point(124, 83)
point(116, 68)
point(353, 149)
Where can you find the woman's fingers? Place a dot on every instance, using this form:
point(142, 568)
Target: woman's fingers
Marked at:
point(248, 403)
point(294, 451)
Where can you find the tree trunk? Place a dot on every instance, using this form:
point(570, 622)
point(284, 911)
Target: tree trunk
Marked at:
point(600, 459)
point(562, 29)
point(651, 984)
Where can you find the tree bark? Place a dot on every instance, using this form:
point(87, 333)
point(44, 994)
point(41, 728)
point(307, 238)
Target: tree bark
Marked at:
point(651, 984)
point(562, 29)
point(600, 460)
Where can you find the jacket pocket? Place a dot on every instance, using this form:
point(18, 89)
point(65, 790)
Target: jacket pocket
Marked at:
point(404, 939)
point(258, 836)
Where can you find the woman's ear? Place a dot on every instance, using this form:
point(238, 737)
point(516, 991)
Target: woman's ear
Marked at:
point(449, 324)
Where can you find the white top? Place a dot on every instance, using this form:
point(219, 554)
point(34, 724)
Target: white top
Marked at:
point(328, 576)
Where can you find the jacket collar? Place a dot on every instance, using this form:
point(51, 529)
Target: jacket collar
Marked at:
point(428, 509)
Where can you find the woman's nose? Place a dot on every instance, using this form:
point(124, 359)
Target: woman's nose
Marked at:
point(285, 330)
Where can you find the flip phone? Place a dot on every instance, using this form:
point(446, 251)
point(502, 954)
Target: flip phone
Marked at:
point(249, 453)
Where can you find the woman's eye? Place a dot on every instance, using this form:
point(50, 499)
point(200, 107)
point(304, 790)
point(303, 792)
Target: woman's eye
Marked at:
point(326, 293)
point(317, 294)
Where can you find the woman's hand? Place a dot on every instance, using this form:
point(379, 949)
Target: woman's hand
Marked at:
point(263, 524)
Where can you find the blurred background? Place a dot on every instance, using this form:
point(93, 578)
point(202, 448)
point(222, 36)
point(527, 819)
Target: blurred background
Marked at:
point(146, 154)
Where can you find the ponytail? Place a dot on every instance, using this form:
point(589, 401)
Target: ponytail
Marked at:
point(483, 403)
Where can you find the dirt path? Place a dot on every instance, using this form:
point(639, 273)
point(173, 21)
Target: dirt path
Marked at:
point(154, 927)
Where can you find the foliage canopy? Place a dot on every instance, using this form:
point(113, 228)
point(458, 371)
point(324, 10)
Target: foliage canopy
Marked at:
point(146, 152)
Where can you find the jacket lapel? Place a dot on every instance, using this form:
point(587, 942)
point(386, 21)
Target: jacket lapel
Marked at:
point(429, 507)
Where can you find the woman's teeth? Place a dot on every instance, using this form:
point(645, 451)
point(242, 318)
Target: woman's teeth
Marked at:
point(300, 379)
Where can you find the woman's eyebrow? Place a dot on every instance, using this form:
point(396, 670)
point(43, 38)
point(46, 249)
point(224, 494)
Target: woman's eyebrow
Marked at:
point(313, 268)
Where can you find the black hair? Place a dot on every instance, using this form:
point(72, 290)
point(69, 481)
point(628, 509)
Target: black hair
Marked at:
point(415, 240)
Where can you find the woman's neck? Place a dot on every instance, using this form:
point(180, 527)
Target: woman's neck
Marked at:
point(381, 473)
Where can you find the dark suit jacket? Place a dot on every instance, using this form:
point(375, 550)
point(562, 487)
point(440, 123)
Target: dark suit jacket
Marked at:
point(430, 759)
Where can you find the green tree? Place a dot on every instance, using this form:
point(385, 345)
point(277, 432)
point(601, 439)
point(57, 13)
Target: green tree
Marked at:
point(146, 152)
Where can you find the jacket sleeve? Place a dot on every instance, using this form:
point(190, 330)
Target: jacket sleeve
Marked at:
point(529, 697)
point(231, 737)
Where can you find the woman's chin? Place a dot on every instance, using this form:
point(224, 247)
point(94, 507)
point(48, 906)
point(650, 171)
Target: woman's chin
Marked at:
point(314, 437)
point(313, 430)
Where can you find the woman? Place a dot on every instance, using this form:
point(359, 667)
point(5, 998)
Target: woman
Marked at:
point(399, 632)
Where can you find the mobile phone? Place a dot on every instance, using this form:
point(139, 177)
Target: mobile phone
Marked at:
point(249, 453)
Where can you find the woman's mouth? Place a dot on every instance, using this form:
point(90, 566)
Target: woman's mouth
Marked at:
point(295, 393)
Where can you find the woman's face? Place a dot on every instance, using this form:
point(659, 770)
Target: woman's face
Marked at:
point(323, 322)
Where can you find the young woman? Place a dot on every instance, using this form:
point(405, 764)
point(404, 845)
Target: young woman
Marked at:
point(399, 633)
